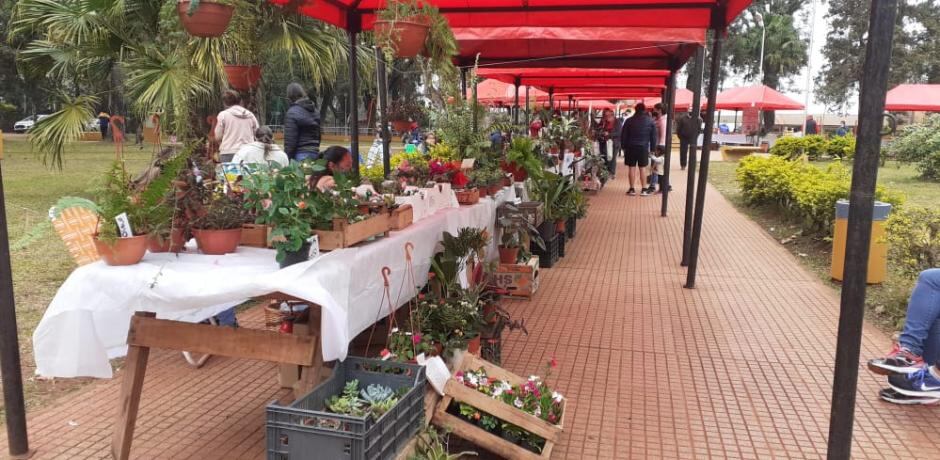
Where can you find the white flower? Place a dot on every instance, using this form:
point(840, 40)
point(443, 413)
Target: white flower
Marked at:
point(394, 330)
point(533, 378)
point(538, 412)
point(557, 397)
point(517, 403)
point(497, 391)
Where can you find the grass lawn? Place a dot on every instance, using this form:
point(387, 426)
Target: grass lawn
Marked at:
point(885, 301)
point(40, 260)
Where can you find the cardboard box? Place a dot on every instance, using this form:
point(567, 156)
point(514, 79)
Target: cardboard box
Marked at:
point(521, 280)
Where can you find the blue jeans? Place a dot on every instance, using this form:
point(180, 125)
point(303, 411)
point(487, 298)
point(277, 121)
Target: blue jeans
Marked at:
point(301, 156)
point(921, 332)
point(227, 318)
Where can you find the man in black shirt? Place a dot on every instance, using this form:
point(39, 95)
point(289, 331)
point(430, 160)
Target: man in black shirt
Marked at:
point(638, 139)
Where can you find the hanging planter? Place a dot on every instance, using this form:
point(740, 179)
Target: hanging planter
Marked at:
point(405, 37)
point(400, 125)
point(207, 19)
point(243, 77)
point(123, 251)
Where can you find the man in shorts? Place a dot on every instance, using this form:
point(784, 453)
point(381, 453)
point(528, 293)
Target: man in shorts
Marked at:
point(638, 139)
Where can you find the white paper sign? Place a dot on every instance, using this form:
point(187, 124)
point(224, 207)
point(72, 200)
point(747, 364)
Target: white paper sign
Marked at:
point(124, 225)
point(467, 163)
point(314, 247)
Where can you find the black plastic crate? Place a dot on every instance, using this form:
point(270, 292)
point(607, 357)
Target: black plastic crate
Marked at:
point(306, 430)
point(562, 241)
point(548, 256)
point(571, 228)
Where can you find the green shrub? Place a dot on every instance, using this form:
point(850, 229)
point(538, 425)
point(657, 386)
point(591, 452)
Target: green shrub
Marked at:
point(841, 146)
point(766, 180)
point(913, 236)
point(814, 145)
point(789, 147)
point(920, 144)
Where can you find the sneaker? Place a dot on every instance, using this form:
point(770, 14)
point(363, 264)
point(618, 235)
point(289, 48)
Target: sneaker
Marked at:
point(921, 384)
point(645, 192)
point(894, 397)
point(899, 361)
point(631, 192)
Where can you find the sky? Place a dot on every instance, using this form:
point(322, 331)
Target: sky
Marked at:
point(797, 88)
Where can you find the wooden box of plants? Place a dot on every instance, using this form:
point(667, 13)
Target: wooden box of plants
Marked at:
point(468, 196)
point(255, 236)
point(518, 280)
point(345, 233)
point(522, 435)
point(367, 409)
point(400, 217)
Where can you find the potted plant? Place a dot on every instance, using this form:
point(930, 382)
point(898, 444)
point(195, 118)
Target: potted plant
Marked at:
point(219, 230)
point(521, 159)
point(516, 234)
point(402, 28)
point(115, 200)
point(550, 189)
point(282, 199)
point(402, 113)
point(205, 18)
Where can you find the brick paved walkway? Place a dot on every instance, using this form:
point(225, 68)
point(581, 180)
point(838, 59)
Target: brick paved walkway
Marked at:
point(740, 367)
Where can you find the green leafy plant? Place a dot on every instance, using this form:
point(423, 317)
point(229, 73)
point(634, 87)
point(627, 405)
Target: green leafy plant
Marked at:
point(913, 235)
point(224, 211)
point(515, 229)
point(551, 189)
point(919, 144)
point(348, 402)
point(841, 146)
point(522, 154)
point(406, 110)
point(433, 445)
point(115, 196)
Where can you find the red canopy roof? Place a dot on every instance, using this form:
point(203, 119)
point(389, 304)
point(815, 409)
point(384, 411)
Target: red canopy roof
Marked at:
point(918, 98)
point(683, 100)
point(598, 83)
point(607, 47)
point(756, 96)
point(694, 14)
point(495, 92)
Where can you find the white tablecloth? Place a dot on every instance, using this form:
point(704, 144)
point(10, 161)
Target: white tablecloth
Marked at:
point(86, 323)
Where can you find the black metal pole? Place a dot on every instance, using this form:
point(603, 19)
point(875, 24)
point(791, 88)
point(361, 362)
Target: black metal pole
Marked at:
point(463, 82)
point(670, 102)
point(380, 70)
point(10, 370)
point(527, 117)
point(551, 100)
point(864, 177)
point(354, 99)
point(476, 126)
point(693, 154)
point(703, 165)
point(515, 108)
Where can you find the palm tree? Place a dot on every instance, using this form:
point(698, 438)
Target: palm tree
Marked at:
point(137, 49)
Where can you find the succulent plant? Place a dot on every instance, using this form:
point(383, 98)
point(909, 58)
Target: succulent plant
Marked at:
point(374, 394)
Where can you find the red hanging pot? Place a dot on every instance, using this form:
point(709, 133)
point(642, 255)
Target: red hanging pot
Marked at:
point(400, 125)
point(209, 20)
point(243, 77)
point(408, 36)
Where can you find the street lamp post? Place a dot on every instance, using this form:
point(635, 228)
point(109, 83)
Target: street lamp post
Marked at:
point(763, 37)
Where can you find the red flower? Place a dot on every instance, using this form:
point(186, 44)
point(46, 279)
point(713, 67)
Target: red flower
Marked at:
point(420, 296)
point(552, 418)
point(553, 363)
point(459, 180)
point(430, 275)
point(302, 205)
point(416, 339)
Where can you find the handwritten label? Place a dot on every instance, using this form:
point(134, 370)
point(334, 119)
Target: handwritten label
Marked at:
point(314, 247)
point(124, 225)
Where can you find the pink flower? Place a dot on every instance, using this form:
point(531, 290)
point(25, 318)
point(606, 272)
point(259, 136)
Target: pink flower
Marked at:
point(416, 339)
point(385, 353)
point(553, 363)
point(266, 203)
point(552, 418)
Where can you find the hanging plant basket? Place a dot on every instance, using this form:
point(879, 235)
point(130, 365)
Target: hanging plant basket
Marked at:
point(406, 36)
point(400, 125)
point(243, 77)
point(209, 20)
point(124, 251)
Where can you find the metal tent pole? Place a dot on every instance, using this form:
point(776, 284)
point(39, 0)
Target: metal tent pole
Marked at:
point(354, 94)
point(670, 119)
point(864, 177)
point(702, 184)
point(463, 82)
point(515, 108)
point(693, 154)
point(527, 114)
point(10, 370)
point(383, 115)
point(476, 126)
point(551, 98)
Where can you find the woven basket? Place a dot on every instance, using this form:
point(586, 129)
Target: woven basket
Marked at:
point(76, 226)
point(273, 316)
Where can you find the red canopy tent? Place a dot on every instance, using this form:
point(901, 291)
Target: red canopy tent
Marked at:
point(916, 98)
point(495, 92)
point(683, 100)
point(756, 96)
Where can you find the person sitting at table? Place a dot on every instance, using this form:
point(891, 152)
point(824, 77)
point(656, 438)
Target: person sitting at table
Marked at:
point(338, 160)
point(263, 150)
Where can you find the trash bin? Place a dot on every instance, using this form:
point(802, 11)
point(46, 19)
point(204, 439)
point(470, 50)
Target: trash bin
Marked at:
point(878, 251)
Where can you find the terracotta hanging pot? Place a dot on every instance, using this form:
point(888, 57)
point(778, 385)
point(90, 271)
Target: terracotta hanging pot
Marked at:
point(400, 125)
point(408, 36)
point(218, 242)
point(209, 20)
point(243, 77)
point(124, 251)
point(508, 255)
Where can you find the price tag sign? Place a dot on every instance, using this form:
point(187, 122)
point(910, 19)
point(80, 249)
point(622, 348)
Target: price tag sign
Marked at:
point(124, 225)
point(314, 247)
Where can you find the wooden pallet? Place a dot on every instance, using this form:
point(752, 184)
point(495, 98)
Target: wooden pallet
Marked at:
point(455, 391)
point(345, 234)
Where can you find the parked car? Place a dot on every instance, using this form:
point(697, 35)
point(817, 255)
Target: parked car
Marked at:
point(27, 123)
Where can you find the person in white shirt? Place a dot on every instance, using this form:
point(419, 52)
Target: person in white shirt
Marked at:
point(234, 127)
point(262, 150)
point(657, 161)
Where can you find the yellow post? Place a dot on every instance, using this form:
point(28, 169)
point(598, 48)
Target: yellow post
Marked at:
point(878, 256)
point(1, 144)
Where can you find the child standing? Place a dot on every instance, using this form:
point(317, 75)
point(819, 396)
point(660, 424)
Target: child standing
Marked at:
point(656, 170)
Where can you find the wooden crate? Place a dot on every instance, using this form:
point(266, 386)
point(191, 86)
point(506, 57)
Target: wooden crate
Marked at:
point(401, 217)
point(345, 234)
point(255, 235)
point(468, 196)
point(455, 391)
point(520, 280)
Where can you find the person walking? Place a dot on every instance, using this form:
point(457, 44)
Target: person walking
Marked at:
point(301, 126)
point(811, 127)
point(842, 130)
point(638, 139)
point(687, 128)
point(104, 122)
point(235, 126)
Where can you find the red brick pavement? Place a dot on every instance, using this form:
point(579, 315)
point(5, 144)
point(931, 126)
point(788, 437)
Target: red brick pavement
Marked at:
point(740, 367)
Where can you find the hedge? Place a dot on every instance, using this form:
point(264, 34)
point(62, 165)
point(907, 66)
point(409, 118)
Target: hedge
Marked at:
point(804, 192)
point(814, 146)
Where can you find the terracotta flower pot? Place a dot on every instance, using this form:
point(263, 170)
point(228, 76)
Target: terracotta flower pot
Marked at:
point(560, 226)
point(174, 244)
point(494, 189)
point(243, 77)
point(484, 191)
point(408, 36)
point(124, 251)
point(400, 125)
point(209, 20)
point(218, 242)
point(508, 255)
point(473, 346)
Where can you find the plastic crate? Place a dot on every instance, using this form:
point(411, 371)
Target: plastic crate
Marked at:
point(549, 256)
point(305, 430)
point(562, 241)
point(571, 228)
point(532, 210)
